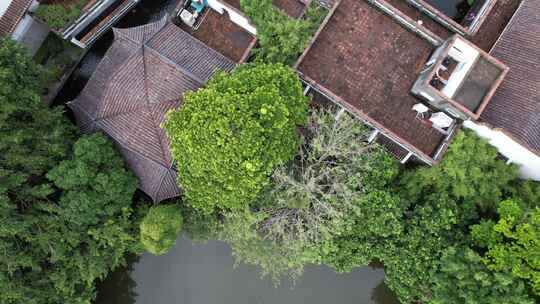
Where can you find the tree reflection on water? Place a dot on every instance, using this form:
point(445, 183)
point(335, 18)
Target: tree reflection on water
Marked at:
point(119, 286)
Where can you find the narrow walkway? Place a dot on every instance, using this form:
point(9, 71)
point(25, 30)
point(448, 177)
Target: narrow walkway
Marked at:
point(407, 22)
point(417, 15)
point(106, 21)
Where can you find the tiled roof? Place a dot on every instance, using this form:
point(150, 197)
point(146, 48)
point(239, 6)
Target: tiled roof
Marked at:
point(13, 15)
point(365, 61)
point(515, 108)
point(220, 33)
point(141, 77)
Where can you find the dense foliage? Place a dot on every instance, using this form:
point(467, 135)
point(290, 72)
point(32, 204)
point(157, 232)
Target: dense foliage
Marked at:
point(471, 174)
point(513, 242)
point(57, 16)
point(417, 223)
point(281, 38)
point(446, 200)
point(229, 136)
point(464, 231)
point(53, 252)
point(310, 201)
point(66, 212)
point(462, 278)
point(34, 138)
point(160, 228)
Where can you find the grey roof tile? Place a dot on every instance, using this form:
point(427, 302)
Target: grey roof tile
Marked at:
point(142, 76)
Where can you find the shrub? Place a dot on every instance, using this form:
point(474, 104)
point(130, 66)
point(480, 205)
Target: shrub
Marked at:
point(57, 16)
point(160, 228)
point(281, 38)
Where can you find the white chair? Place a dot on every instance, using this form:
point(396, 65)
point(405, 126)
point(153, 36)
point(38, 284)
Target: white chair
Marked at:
point(441, 120)
point(421, 109)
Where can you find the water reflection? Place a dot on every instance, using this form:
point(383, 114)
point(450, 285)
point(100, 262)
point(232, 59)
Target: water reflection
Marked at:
point(119, 286)
point(383, 295)
point(204, 274)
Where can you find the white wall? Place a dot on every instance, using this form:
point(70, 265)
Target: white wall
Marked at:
point(235, 16)
point(528, 161)
point(22, 28)
point(4, 4)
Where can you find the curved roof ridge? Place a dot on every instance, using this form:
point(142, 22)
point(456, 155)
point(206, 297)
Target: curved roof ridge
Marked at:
point(175, 65)
point(142, 33)
point(164, 193)
point(149, 108)
point(194, 39)
point(129, 94)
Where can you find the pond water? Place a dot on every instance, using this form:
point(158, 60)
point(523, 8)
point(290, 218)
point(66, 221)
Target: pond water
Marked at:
point(204, 274)
point(455, 9)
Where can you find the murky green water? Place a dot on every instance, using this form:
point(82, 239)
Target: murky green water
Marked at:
point(204, 274)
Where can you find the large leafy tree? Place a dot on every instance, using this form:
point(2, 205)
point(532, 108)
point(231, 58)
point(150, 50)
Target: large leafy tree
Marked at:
point(34, 137)
point(430, 227)
point(512, 243)
point(462, 277)
point(471, 173)
point(228, 137)
point(376, 220)
point(33, 140)
point(53, 252)
point(313, 199)
point(445, 200)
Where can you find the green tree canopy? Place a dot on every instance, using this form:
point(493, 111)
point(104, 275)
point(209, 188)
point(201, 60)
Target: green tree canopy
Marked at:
point(513, 242)
point(160, 228)
point(53, 252)
point(94, 182)
point(471, 173)
point(228, 137)
point(34, 137)
point(444, 200)
point(375, 221)
point(315, 198)
point(462, 278)
point(281, 38)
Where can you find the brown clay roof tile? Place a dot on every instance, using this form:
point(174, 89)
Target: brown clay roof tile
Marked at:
point(141, 77)
point(13, 15)
point(515, 108)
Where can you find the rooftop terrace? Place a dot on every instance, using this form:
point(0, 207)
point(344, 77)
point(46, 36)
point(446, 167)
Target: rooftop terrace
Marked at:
point(366, 61)
point(221, 34)
point(368, 53)
point(459, 79)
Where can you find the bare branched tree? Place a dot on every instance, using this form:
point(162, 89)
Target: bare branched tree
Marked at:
point(308, 201)
point(309, 197)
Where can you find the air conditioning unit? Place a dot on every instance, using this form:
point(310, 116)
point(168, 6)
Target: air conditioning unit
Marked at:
point(188, 17)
